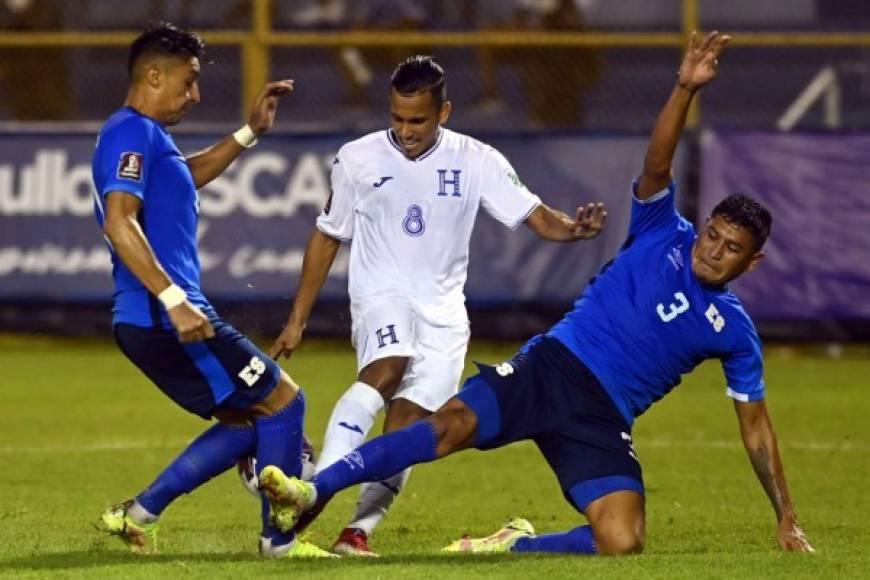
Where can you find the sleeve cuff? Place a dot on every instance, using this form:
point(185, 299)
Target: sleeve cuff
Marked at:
point(745, 397)
point(331, 234)
point(536, 203)
point(123, 188)
point(658, 196)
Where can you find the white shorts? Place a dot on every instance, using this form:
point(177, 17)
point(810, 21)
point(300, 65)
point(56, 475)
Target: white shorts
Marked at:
point(436, 352)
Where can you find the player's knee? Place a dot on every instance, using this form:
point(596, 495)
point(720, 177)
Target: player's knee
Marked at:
point(385, 375)
point(402, 413)
point(455, 426)
point(278, 398)
point(619, 541)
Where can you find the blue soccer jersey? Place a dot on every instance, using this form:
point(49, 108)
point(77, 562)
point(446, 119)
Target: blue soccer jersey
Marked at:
point(137, 156)
point(646, 320)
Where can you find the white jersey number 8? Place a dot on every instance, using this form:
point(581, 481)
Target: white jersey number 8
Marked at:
point(674, 310)
point(413, 223)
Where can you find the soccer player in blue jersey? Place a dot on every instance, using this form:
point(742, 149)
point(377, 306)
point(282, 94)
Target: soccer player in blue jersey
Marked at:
point(146, 202)
point(656, 311)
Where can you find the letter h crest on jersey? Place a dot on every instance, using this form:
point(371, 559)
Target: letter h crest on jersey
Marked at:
point(444, 182)
point(386, 333)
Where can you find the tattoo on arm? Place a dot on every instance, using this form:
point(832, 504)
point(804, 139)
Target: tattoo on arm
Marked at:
point(762, 462)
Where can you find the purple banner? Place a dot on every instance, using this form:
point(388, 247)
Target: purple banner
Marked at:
point(818, 189)
point(256, 218)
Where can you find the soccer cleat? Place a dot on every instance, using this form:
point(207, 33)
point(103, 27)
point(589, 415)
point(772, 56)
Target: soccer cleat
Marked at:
point(141, 538)
point(499, 542)
point(288, 497)
point(299, 549)
point(353, 542)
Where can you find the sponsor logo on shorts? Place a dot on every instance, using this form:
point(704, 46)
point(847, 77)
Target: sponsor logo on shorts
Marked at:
point(627, 438)
point(504, 369)
point(386, 333)
point(253, 371)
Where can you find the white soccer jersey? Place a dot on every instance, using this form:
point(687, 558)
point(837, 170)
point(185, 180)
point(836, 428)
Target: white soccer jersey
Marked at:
point(410, 221)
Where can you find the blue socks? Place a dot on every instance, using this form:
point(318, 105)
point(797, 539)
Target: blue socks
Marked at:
point(577, 541)
point(378, 459)
point(279, 442)
point(212, 453)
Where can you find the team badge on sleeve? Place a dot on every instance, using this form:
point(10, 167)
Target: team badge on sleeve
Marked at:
point(130, 166)
point(515, 179)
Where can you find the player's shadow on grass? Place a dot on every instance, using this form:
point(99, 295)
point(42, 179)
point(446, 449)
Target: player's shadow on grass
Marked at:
point(98, 559)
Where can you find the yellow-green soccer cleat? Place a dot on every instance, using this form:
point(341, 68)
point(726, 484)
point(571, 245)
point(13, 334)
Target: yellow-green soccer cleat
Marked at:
point(140, 538)
point(288, 497)
point(299, 549)
point(499, 542)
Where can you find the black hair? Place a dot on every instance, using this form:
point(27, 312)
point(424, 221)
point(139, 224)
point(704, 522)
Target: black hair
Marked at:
point(746, 212)
point(418, 73)
point(165, 39)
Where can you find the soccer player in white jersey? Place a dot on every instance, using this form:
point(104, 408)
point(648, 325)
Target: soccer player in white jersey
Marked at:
point(406, 200)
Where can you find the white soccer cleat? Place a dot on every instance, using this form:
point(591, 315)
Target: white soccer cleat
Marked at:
point(500, 542)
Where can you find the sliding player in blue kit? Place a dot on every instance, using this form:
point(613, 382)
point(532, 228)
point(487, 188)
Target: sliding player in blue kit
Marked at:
point(146, 202)
point(655, 312)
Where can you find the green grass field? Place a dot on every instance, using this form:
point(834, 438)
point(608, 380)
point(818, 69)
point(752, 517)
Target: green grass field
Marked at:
point(81, 429)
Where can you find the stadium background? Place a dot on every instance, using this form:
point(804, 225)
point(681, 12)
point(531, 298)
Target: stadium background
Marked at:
point(568, 89)
point(570, 97)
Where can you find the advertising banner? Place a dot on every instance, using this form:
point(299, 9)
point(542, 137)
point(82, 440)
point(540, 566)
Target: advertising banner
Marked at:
point(818, 189)
point(256, 218)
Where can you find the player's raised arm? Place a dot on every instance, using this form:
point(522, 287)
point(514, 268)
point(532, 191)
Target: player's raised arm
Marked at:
point(129, 242)
point(209, 163)
point(556, 226)
point(760, 442)
point(698, 68)
point(319, 255)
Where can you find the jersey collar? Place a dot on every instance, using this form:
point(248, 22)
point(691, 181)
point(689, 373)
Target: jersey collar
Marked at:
point(391, 137)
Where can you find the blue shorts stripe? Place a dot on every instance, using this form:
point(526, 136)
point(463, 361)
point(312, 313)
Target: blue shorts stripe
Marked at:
point(480, 398)
point(585, 492)
point(218, 379)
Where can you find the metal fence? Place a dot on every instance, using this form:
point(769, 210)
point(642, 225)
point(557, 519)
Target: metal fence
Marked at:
point(548, 65)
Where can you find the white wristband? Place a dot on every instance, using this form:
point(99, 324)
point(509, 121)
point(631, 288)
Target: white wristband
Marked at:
point(245, 137)
point(172, 297)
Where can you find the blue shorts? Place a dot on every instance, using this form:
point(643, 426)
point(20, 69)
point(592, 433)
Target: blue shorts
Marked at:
point(547, 395)
point(226, 370)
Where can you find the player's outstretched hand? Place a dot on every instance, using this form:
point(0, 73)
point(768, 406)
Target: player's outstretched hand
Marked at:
point(589, 221)
point(793, 539)
point(190, 323)
point(286, 342)
point(701, 62)
point(266, 104)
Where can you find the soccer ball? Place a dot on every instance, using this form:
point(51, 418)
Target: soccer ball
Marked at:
point(247, 468)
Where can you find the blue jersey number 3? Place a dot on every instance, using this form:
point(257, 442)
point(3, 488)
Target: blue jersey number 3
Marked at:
point(674, 310)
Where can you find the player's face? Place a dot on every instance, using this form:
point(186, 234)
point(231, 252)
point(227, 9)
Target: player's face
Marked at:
point(723, 252)
point(415, 120)
point(179, 89)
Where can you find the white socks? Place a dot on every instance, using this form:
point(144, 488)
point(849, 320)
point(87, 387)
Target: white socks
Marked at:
point(350, 422)
point(375, 499)
point(139, 514)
